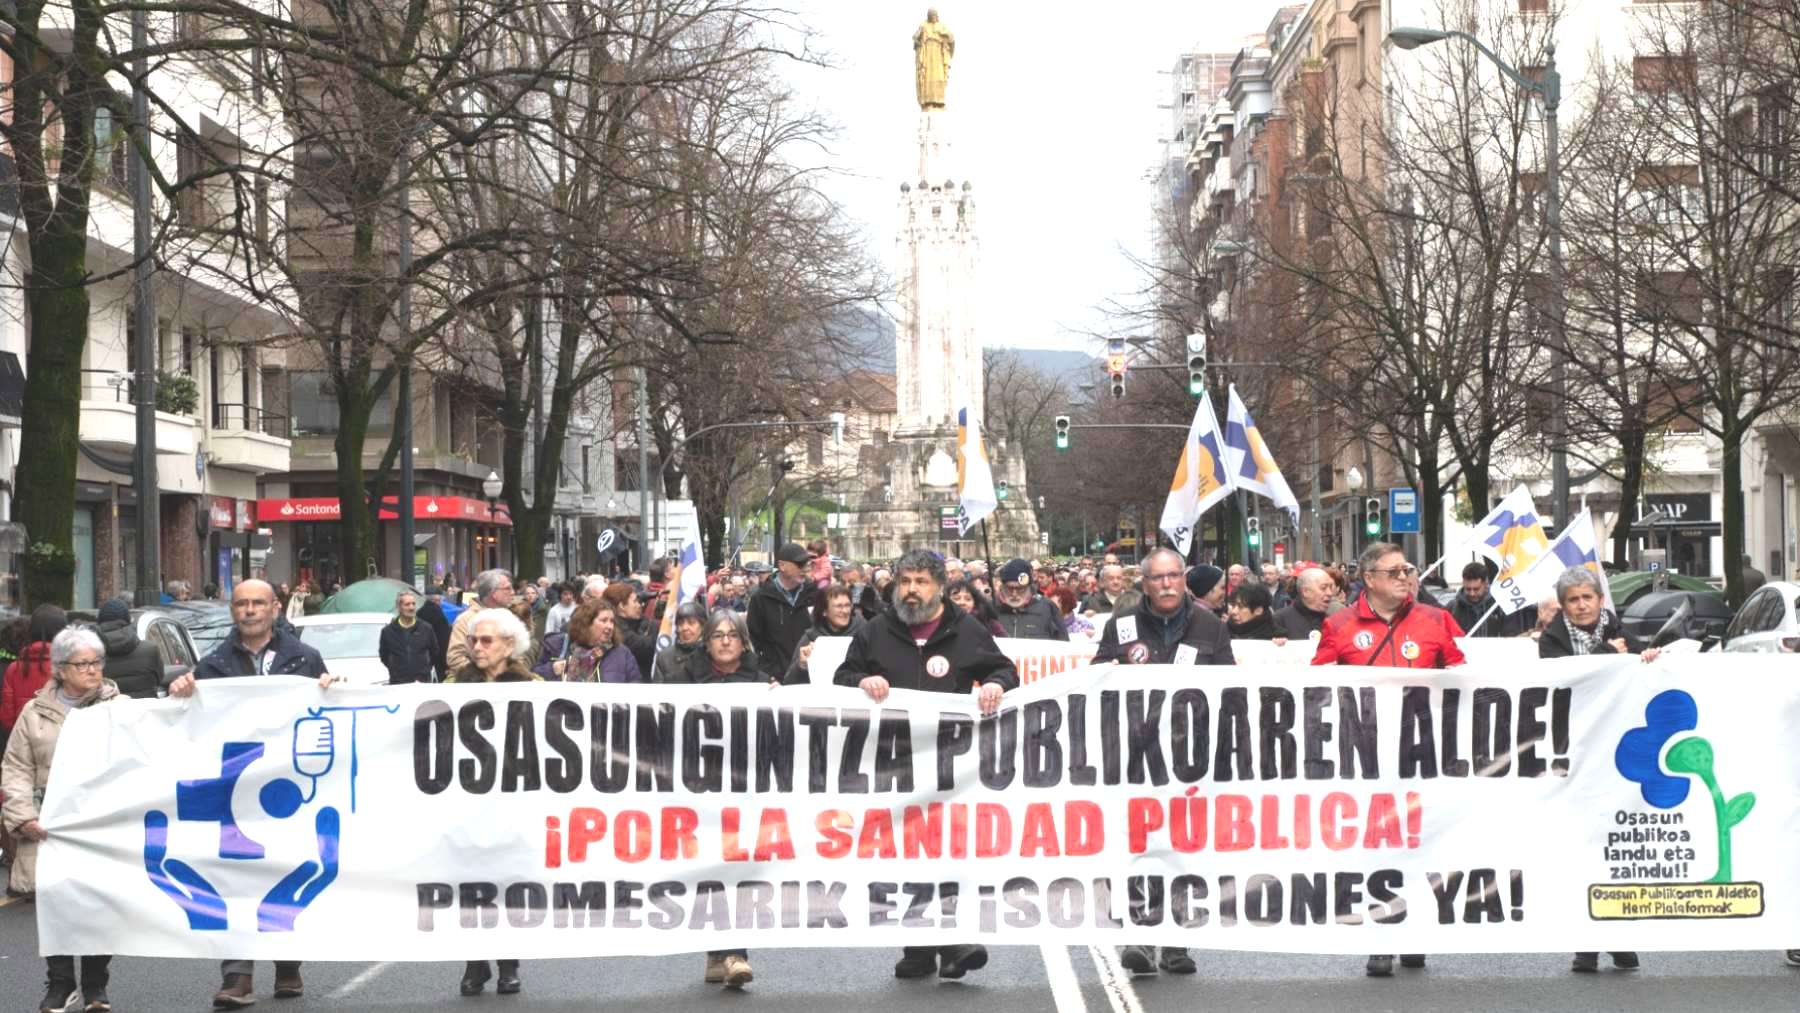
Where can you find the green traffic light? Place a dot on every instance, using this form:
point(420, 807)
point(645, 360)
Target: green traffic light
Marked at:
point(1196, 384)
point(1255, 540)
point(1373, 527)
point(1062, 441)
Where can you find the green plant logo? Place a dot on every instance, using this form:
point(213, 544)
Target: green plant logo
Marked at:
point(1664, 777)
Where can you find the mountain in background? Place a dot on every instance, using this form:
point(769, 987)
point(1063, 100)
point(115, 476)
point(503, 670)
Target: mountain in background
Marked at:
point(870, 334)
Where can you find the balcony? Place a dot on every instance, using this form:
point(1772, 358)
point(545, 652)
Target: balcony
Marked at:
point(109, 417)
point(246, 438)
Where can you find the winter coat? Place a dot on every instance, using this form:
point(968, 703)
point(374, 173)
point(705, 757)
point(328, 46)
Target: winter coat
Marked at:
point(1297, 622)
point(959, 655)
point(1555, 641)
point(797, 673)
point(699, 670)
point(26, 770)
point(1467, 613)
point(1262, 627)
point(432, 614)
point(1040, 619)
point(639, 636)
point(776, 625)
point(286, 655)
point(1419, 636)
point(408, 653)
point(133, 664)
point(866, 600)
point(669, 660)
point(1097, 603)
point(515, 672)
point(23, 679)
point(456, 652)
point(618, 664)
point(1192, 636)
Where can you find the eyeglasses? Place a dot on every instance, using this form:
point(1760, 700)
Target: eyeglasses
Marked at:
point(85, 666)
point(1399, 572)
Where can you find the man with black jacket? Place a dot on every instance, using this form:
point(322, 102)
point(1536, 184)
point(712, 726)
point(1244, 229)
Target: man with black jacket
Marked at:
point(781, 611)
point(924, 643)
point(1023, 613)
point(408, 644)
point(1474, 602)
point(1112, 585)
point(1167, 628)
point(1304, 617)
point(132, 663)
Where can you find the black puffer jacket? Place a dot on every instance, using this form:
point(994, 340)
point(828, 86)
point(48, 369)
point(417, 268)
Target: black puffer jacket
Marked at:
point(134, 665)
point(776, 624)
point(959, 655)
point(1040, 619)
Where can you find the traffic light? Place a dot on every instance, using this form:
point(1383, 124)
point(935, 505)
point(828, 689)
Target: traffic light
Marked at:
point(1062, 432)
point(1115, 366)
point(1254, 535)
point(1196, 344)
point(1372, 508)
point(1000, 489)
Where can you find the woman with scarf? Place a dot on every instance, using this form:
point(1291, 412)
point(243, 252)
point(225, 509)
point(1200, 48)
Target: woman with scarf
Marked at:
point(834, 615)
point(591, 650)
point(1248, 616)
point(1585, 627)
point(77, 661)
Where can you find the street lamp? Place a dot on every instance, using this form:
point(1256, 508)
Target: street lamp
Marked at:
point(491, 487)
point(1548, 86)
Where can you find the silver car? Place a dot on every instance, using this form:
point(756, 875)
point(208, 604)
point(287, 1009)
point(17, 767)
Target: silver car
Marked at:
point(1769, 622)
point(350, 643)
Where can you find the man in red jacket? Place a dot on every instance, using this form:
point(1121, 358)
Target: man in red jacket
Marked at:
point(1386, 627)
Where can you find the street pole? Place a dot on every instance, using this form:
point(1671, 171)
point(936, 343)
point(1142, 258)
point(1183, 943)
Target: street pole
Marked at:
point(403, 405)
point(149, 513)
point(1551, 85)
point(643, 441)
point(1315, 529)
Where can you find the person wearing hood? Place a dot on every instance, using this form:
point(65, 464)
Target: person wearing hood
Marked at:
point(690, 619)
point(1207, 585)
point(77, 660)
point(834, 615)
point(1023, 613)
point(1304, 617)
point(133, 664)
point(781, 611)
point(1249, 616)
point(33, 670)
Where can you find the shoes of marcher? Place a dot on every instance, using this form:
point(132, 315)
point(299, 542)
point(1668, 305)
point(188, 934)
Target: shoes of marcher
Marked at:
point(737, 972)
point(1175, 960)
point(508, 982)
point(289, 986)
point(1412, 960)
point(715, 970)
point(57, 998)
point(1137, 959)
point(1625, 960)
point(1380, 965)
point(916, 963)
point(1586, 963)
point(97, 1002)
point(237, 992)
point(1792, 957)
point(956, 961)
point(475, 978)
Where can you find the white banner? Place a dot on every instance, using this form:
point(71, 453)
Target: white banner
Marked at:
point(1034, 659)
point(1582, 804)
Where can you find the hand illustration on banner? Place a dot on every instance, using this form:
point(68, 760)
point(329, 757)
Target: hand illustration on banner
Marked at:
point(210, 799)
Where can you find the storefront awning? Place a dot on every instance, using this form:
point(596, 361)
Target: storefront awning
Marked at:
point(425, 508)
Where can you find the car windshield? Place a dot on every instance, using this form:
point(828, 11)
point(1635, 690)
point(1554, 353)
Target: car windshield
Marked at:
point(208, 628)
point(343, 640)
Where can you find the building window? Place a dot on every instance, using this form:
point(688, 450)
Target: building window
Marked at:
point(1663, 72)
point(112, 149)
point(1534, 6)
point(1670, 194)
point(1774, 112)
point(314, 406)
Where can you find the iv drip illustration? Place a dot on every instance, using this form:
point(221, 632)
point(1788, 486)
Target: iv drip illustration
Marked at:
point(315, 745)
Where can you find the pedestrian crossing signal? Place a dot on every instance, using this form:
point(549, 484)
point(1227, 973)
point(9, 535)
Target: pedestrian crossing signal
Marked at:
point(1196, 344)
point(1373, 525)
point(1254, 536)
point(1062, 432)
point(1000, 489)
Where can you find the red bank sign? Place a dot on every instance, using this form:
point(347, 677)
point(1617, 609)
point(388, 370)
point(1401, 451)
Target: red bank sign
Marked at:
point(425, 508)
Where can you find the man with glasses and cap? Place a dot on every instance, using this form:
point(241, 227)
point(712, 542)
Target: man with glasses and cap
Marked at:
point(1023, 613)
point(1387, 627)
point(780, 611)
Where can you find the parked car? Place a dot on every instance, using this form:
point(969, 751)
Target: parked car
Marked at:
point(350, 643)
point(1706, 616)
point(207, 622)
point(174, 646)
point(1769, 622)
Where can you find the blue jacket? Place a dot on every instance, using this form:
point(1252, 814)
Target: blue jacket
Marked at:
point(289, 656)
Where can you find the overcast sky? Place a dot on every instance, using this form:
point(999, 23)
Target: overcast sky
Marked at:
point(1056, 112)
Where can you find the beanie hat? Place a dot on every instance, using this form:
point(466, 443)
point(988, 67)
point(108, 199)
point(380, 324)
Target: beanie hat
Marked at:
point(1203, 578)
point(1016, 572)
point(115, 609)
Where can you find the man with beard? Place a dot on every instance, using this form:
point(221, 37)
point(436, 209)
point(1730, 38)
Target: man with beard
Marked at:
point(1024, 614)
point(925, 643)
point(1167, 627)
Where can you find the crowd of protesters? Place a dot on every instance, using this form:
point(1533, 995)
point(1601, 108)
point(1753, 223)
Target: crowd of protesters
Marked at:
point(761, 625)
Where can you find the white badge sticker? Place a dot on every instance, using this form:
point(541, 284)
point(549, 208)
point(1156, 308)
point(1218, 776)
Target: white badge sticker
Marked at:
point(1185, 654)
point(1127, 627)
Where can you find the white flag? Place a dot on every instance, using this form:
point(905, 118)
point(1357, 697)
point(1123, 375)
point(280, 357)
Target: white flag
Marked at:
point(1200, 478)
point(1248, 461)
point(974, 477)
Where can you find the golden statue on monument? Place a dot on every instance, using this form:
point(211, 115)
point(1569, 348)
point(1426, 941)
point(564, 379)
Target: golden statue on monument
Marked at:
point(933, 45)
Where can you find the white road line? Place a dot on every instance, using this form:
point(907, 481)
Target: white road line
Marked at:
point(362, 978)
point(1065, 988)
point(1115, 981)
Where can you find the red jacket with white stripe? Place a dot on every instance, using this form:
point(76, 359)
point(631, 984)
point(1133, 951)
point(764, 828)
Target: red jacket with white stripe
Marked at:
point(1419, 636)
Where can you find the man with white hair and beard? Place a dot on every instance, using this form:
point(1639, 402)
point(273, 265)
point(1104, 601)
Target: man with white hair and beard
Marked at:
point(925, 643)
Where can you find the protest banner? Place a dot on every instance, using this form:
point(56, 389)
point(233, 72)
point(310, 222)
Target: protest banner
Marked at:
point(1034, 659)
point(1589, 803)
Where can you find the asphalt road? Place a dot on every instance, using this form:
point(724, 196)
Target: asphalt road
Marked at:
point(1063, 980)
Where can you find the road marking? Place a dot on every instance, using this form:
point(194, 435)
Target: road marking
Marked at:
point(1065, 988)
point(362, 978)
point(1115, 981)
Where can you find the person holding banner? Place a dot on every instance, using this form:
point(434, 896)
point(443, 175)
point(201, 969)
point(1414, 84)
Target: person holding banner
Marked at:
point(77, 679)
point(834, 615)
point(1167, 627)
point(926, 643)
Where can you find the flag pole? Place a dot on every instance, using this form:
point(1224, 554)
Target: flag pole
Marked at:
point(987, 553)
point(1484, 618)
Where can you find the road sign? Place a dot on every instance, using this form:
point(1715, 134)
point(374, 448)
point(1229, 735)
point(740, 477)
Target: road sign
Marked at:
point(1403, 512)
point(947, 520)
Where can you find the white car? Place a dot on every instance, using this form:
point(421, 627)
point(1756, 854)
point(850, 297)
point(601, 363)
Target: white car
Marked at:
point(350, 643)
point(1769, 622)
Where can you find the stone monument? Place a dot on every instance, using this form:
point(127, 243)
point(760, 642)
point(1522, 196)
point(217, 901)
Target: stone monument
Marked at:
point(937, 356)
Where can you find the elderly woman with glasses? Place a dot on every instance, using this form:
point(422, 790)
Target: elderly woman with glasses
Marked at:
point(724, 656)
point(78, 667)
point(498, 645)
